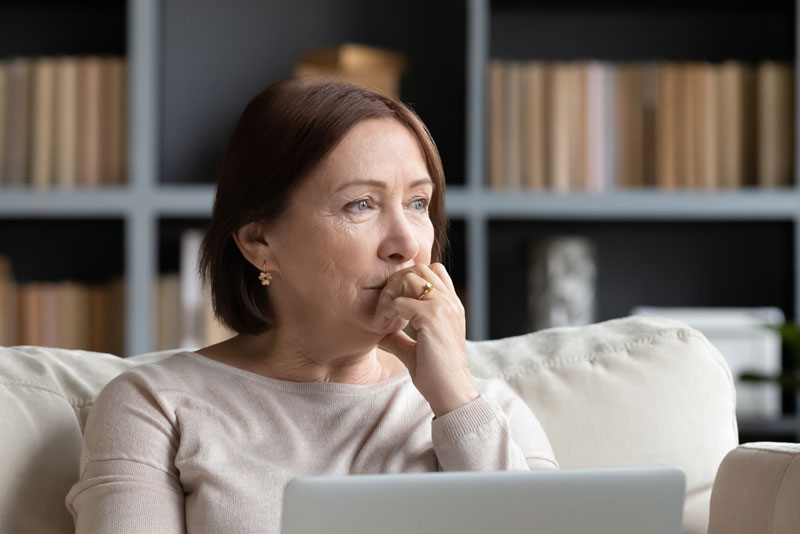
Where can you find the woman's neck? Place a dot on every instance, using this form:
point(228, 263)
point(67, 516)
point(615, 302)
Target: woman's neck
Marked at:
point(271, 356)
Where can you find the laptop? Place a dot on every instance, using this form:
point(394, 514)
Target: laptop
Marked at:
point(633, 500)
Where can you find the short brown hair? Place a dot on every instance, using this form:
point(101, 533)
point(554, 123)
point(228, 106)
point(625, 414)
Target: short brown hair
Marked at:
point(282, 134)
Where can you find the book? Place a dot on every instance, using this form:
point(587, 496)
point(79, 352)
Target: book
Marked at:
point(775, 124)
point(66, 122)
point(15, 171)
point(496, 168)
point(560, 127)
point(667, 133)
point(737, 125)
point(8, 304)
point(379, 69)
point(534, 120)
point(597, 120)
point(3, 114)
point(113, 121)
point(89, 163)
point(510, 124)
point(168, 330)
point(43, 122)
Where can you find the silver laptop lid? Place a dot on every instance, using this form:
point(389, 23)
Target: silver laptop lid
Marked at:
point(592, 501)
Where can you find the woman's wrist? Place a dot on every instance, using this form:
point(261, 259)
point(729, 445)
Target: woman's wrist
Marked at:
point(454, 401)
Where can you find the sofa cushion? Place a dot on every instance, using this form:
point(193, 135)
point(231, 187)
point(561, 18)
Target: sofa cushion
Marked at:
point(45, 397)
point(627, 392)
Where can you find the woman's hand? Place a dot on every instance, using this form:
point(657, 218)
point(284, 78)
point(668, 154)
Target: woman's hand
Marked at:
point(437, 360)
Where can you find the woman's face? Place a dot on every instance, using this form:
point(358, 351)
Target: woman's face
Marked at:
point(361, 215)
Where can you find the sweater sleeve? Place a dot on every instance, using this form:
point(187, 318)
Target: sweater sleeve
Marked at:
point(128, 480)
point(495, 432)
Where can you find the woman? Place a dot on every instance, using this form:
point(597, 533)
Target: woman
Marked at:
point(327, 229)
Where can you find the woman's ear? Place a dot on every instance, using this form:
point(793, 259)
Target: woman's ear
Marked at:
point(252, 242)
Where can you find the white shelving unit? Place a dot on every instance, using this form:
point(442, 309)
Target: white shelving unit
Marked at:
point(144, 201)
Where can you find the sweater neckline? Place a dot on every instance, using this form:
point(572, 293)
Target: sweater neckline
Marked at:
point(302, 387)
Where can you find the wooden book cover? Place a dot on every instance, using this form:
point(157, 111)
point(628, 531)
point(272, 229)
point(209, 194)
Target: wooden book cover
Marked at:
point(8, 304)
point(66, 306)
point(48, 305)
point(43, 122)
point(579, 126)
point(18, 123)
point(168, 329)
point(679, 129)
point(116, 317)
point(649, 139)
point(691, 118)
point(511, 126)
point(708, 136)
point(560, 127)
point(596, 122)
point(533, 125)
point(666, 126)
point(624, 119)
point(29, 313)
point(749, 115)
point(214, 331)
point(736, 124)
point(99, 315)
point(82, 319)
point(113, 121)
point(496, 170)
point(775, 124)
point(92, 117)
point(636, 125)
point(3, 97)
point(66, 122)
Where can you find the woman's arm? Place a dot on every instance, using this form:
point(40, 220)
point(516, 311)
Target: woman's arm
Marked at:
point(128, 480)
point(495, 432)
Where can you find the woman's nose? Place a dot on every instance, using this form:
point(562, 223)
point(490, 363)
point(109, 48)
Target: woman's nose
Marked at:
point(400, 243)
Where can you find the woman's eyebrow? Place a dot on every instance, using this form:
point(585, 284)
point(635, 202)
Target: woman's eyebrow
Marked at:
point(379, 183)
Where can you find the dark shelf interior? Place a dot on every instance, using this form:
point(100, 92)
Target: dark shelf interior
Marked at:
point(642, 30)
point(70, 28)
point(651, 263)
point(53, 250)
point(217, 56)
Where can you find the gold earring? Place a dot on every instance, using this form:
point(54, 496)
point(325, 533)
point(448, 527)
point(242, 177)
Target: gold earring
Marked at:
point(265, 277)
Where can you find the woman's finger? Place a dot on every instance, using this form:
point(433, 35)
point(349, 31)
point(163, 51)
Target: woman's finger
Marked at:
point(442, 273)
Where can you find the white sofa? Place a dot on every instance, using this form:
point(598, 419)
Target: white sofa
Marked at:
point(634, 391)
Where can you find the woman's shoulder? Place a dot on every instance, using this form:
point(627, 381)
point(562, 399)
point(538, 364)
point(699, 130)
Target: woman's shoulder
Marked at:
point(178, 370)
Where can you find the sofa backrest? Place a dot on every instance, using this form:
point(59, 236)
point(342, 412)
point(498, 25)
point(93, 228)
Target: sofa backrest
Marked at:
point(635, 391)
point(45, 398)
point(627, 392)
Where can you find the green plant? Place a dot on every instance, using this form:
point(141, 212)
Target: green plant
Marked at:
point(789, 378)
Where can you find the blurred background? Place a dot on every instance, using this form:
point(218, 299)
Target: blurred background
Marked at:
point(603, 158)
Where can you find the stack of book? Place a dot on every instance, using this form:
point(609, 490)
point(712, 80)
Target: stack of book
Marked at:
point(591, 125)
point(64, 314)
point(185, 315)
point(63, 121)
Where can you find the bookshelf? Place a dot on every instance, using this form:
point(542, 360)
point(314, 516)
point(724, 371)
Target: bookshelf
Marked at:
point(185, 92)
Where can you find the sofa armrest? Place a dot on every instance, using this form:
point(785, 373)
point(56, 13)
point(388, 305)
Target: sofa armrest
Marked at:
point(757, 490)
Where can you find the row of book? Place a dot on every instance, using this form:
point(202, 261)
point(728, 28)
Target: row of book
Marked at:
point(64, 314)
point(63, 121)
point(73, 315)
point(591, 125)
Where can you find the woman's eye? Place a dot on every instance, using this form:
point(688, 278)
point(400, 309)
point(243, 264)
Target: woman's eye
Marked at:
point(360, 205)
point(420, 203)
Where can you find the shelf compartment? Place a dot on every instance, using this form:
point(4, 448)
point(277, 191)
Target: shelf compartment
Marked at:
point(655, 263)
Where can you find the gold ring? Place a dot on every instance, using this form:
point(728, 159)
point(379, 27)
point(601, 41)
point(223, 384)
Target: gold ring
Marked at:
point(428, 288)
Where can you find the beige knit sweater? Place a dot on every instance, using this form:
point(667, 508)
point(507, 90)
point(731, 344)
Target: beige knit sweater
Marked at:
point(189, 444)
